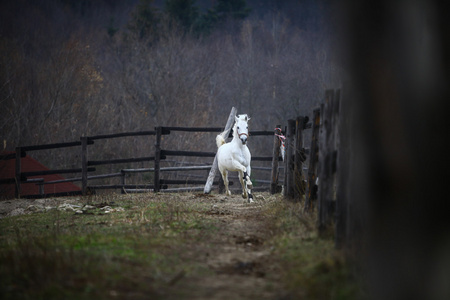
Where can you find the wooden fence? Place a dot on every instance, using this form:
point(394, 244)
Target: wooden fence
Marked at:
point(328, 171)
point(158, 155)
point(325, 185)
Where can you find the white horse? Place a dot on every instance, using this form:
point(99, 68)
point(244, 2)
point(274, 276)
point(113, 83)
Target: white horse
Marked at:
point(235, 156)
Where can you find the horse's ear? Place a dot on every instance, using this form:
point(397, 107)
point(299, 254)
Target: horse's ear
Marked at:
point(248, 119)
point(236, 118)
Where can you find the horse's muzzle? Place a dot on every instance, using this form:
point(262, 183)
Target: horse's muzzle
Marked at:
point(243, 138)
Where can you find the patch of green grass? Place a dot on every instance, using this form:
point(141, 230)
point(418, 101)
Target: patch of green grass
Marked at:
point(311, 267)
point(62, 255)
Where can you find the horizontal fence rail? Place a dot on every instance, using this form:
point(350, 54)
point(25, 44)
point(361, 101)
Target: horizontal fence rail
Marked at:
point(120, 161)
point(123, 134)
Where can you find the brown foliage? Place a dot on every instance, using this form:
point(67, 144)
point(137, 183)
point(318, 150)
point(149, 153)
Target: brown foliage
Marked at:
point(65, 82)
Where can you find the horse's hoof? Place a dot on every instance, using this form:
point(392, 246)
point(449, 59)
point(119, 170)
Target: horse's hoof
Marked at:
point(249, 184)
point(244, 196)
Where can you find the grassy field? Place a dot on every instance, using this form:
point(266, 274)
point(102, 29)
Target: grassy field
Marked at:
point(170, 246)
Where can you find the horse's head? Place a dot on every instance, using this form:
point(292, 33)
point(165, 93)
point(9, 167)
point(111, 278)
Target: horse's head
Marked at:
point(241, 128)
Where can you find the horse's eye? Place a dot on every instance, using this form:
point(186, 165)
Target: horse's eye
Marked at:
point(238, 127)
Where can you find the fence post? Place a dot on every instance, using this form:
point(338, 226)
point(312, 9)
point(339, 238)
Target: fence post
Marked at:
point(289, 158)
point(123, 181)
point(299, 158)
point(343, 174)
point(84, 172)
point(157, 159)
point(18, 171)
point(327, 156)
point(311, 187)
point(275, 157)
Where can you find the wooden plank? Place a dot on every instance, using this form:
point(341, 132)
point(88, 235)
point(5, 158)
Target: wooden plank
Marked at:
point(261, 133)
point(326, 153)
point(139, 170)
point(52, 146)
point(186, 181)
point(122, 134)
point(168, 169)
point(50, 172)
point(275, 159)
point(187, 153)
point(157, 158)
point(311, 187)
point(194, 129)
point(120, 161)
point(18, 171)
point(299, 158)
point(103, 176)
point(289, 158)
point(213, 129)
point(264, 158)
point(343, 174)
point(84, 166)
point(225, 133)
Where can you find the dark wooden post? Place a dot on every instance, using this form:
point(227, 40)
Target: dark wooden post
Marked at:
point(299, 158)
point(123, 181)
point(157, 158)
point(18, 171)
point(84, 169)
point(327, 161)
point(343, 174)
point(289, 159)
point(311, 187)
point(275, 157)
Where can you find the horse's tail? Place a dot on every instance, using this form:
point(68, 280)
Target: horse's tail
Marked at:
point(220, 140)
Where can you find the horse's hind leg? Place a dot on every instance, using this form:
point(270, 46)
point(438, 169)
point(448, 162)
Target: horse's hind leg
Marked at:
point(225, 182)
point(250, 196)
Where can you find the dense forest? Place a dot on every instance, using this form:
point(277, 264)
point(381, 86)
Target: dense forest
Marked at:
point(70, 68)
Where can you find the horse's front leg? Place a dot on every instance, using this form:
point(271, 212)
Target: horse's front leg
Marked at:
point(247, 177)
point(248, 184)
point(243, 184)
point(246, 190)
point(244, 178)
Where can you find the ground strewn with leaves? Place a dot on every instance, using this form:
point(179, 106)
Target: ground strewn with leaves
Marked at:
point(170, 246)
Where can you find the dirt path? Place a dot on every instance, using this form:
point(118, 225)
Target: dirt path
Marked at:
point(239, 254)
